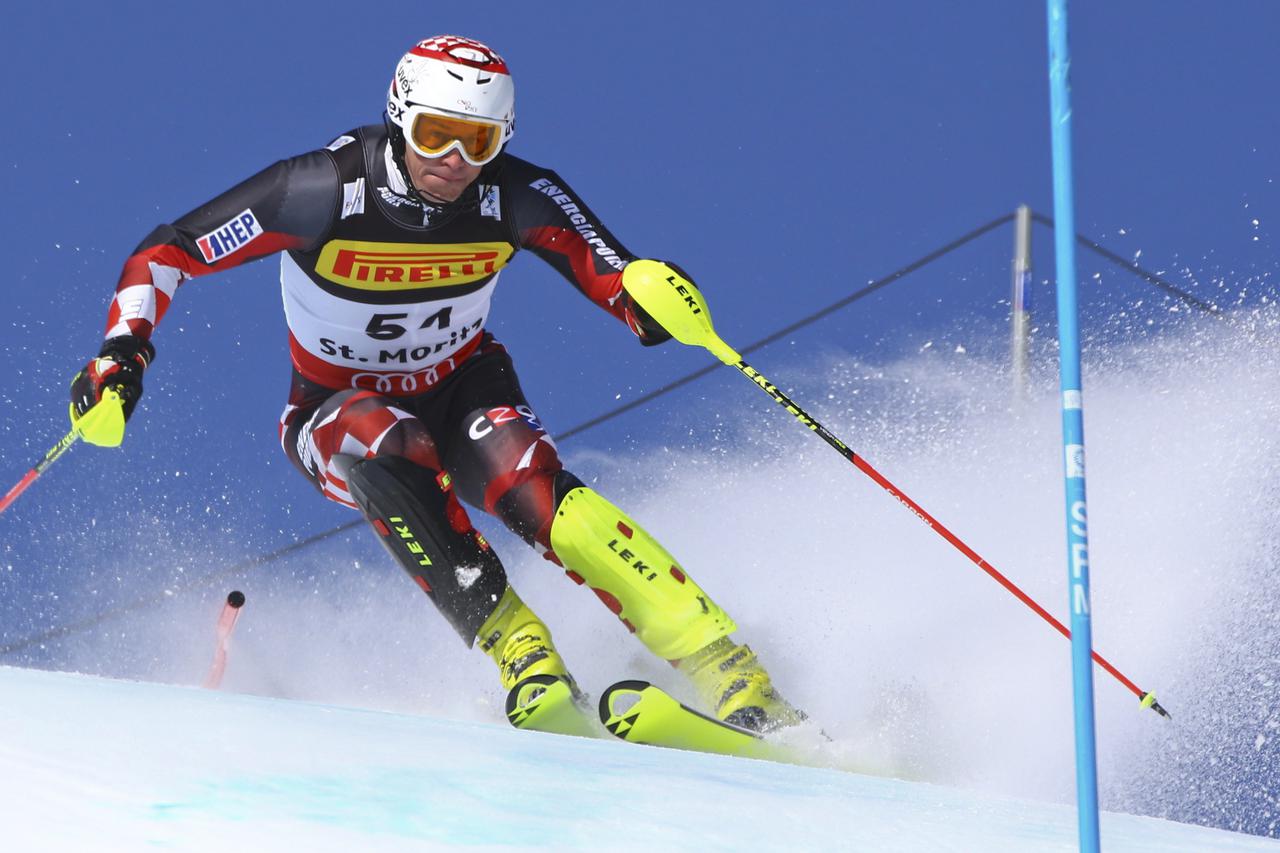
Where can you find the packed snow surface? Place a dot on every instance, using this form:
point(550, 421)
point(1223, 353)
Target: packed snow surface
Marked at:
point(917, 664)
point(93, 764)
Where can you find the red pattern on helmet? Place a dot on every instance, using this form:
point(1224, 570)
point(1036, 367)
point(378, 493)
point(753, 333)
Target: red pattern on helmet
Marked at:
point(462, 51)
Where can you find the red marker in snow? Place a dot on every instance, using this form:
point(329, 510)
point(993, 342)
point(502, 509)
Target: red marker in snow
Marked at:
point(226, 624)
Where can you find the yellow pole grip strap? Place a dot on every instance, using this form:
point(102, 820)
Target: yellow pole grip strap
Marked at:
point(103, 424)
point(677, 305)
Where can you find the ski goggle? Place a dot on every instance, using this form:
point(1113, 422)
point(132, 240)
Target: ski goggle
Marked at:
point(434, 134)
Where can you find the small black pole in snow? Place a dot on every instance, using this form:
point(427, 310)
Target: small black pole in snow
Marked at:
point(226, 624)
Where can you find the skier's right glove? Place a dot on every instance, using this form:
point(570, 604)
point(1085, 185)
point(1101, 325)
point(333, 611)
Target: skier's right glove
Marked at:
point(119, 366)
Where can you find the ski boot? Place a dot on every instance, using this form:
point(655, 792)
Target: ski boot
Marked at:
point(730, 680)
point(541, 694)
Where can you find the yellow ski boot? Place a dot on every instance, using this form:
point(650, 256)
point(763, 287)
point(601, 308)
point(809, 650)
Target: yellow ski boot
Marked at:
point(730, 680)
point(519, 643)
point(541, 694)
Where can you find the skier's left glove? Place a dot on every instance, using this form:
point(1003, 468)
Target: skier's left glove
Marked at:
point(646, 328)
point(119, 366)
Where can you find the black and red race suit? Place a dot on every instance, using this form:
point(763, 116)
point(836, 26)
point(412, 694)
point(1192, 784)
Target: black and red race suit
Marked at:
point(386, 298)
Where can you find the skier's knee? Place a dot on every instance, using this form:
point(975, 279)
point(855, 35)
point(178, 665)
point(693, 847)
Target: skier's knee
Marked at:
point(425, 529)
point(355, 420)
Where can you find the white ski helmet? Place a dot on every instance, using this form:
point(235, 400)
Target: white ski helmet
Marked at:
point(458, 80)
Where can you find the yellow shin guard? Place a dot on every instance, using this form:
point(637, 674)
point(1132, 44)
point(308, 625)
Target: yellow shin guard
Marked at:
point(634, 576)
point(519, 643)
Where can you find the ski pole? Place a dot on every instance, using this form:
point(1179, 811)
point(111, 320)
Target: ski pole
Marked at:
point(103, 424)
point(679, 307)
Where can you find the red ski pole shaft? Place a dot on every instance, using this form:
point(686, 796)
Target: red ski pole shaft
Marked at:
point(938, 527)
point(103, 421)
point(30, 477)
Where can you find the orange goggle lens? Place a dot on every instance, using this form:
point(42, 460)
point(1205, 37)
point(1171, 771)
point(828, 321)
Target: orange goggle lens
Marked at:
point(434, 135)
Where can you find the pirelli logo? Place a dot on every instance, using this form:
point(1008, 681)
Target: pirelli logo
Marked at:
point(409, 266)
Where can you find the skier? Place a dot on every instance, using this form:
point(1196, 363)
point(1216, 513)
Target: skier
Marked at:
point(402, 405)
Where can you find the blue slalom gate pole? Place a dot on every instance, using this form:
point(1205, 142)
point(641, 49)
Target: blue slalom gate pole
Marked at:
point(1064, 230)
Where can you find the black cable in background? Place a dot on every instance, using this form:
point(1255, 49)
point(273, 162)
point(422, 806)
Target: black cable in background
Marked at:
point(263, 559)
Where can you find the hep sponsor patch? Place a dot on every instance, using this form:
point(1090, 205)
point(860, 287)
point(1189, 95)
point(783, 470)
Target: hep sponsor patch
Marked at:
point(229, 237)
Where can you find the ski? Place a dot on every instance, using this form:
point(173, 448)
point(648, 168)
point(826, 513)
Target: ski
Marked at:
point(545, 703)
point(636, 712)
point(639, 712)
